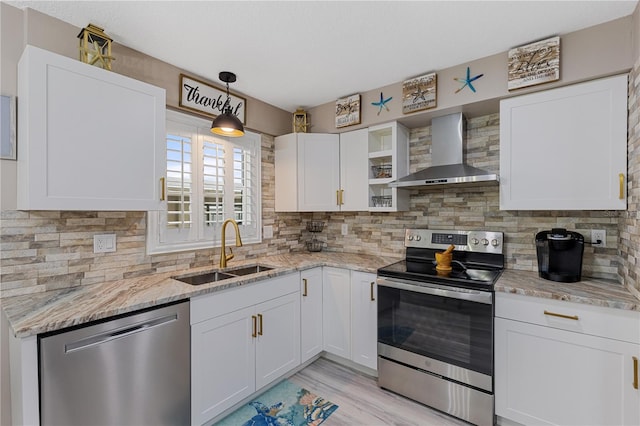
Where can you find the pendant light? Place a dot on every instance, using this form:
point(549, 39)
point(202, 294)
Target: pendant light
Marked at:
point(227, 124)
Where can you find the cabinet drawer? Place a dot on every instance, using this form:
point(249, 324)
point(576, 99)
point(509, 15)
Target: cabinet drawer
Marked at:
point(222, 302)
point(587, 319)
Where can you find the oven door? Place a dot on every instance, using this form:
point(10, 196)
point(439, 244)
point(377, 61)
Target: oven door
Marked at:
point(447, 324)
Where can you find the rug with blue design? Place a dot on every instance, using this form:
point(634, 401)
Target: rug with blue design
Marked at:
point(286, 404)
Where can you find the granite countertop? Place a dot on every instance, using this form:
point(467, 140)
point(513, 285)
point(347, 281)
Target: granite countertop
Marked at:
point(590, 291)
point(53, 310)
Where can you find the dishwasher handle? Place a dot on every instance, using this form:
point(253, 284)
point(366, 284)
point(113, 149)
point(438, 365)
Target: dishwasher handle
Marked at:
point(108, 336)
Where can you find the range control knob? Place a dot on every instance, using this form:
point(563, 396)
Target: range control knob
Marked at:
point(485, 242)
point(474, 241)
point(418, 237)
point(410, 238)
point(495, 243)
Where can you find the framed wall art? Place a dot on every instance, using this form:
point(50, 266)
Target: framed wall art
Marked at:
point(203, 98)
point(8, 127)
point(534, 63)
point(419, 93)
point(348, 111)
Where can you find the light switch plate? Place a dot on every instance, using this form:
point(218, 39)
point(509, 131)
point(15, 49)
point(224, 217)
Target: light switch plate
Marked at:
point(267, 231)
point(104, 243)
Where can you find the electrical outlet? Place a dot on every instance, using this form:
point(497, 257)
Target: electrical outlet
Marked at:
point(598, 234)
point(105, 243)
point(267, 231)
point(345, 229)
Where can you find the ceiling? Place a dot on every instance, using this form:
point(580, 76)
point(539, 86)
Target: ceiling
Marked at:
point(306, 53)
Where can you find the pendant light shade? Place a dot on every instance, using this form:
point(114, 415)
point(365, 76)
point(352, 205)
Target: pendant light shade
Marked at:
point(227, 124)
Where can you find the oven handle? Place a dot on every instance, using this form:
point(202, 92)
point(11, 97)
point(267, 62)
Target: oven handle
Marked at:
point(436, 290)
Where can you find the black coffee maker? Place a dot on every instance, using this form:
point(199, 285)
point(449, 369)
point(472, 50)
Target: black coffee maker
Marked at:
point(560, 255)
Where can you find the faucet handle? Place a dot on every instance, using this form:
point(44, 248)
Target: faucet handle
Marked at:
point(230, 255)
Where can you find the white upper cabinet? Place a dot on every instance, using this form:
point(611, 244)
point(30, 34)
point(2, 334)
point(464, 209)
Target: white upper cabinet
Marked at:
point(307, 172)
point(566, 148)
point(353, 171)
point(346, 172)
point(321, 172)
point(318, 172)
point(88, 139)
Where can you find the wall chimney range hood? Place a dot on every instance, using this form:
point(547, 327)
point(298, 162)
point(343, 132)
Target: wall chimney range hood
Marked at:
point(447, 137)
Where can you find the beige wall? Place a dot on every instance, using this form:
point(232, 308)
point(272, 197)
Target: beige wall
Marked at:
point(590, 53)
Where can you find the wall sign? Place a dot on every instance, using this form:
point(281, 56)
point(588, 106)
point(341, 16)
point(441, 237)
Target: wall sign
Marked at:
point(348, 111)
point(534, 63)
point(419, 93)
point(203, 98)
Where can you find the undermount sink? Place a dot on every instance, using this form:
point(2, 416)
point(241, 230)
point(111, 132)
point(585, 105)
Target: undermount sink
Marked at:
point(248, 270)
point(214, 276)
point(204, 278)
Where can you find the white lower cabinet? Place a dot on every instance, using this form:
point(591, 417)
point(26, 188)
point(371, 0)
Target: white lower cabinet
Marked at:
point(241, 340)
point(364, 319)
point(310, 313)
point(336, 310)
point(561, 370)
point(222, 364)
point(350, 315)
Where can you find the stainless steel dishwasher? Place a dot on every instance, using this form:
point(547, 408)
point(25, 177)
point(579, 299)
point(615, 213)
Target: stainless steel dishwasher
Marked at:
point(131, 370)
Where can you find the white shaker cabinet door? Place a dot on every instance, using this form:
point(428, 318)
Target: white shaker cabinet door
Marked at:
point(310, 313)
point(354, 171)
point(565, 148)
point(278, 337)
point(307, 172)
point(89, 139)
point(556, 377)
point(336, 311)
point(364, 319)
point(318, 172)
point(222, 363)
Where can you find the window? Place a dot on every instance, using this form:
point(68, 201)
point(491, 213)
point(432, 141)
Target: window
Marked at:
point(209, 179)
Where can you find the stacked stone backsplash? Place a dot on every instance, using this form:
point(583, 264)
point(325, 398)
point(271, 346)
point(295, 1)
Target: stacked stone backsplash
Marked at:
point(45, 250)
point(466, 208)
point(629, 225)
point(49, 250)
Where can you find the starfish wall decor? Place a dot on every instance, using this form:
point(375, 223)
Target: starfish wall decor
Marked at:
point(467, 81)
point(382, 103)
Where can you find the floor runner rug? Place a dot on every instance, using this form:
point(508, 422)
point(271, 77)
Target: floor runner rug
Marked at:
point(286, 404)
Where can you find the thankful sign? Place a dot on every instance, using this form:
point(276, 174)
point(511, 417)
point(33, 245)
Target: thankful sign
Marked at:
point(201, 97)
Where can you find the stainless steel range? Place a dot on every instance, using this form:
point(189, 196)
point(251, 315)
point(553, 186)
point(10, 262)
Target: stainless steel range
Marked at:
point(435, 329)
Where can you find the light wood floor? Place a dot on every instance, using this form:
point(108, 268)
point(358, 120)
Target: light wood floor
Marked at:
point(362, 402)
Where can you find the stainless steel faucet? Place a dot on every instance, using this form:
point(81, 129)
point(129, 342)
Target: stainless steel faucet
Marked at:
point(224, 257)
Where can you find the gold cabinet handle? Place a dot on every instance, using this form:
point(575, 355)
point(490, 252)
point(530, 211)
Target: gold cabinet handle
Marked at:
point(162, 189)
point(304, 291)
point(373, 299)
point(553, 314)
point(338, 197)
point(621, 176)
point(255, 326)
point(635, 372)
point(260, 325)
point(341, 196)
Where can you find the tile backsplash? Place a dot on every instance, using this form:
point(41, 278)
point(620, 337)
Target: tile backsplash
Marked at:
point(50, 250)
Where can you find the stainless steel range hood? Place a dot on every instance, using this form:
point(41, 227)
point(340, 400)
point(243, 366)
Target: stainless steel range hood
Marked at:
point(447, 137)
